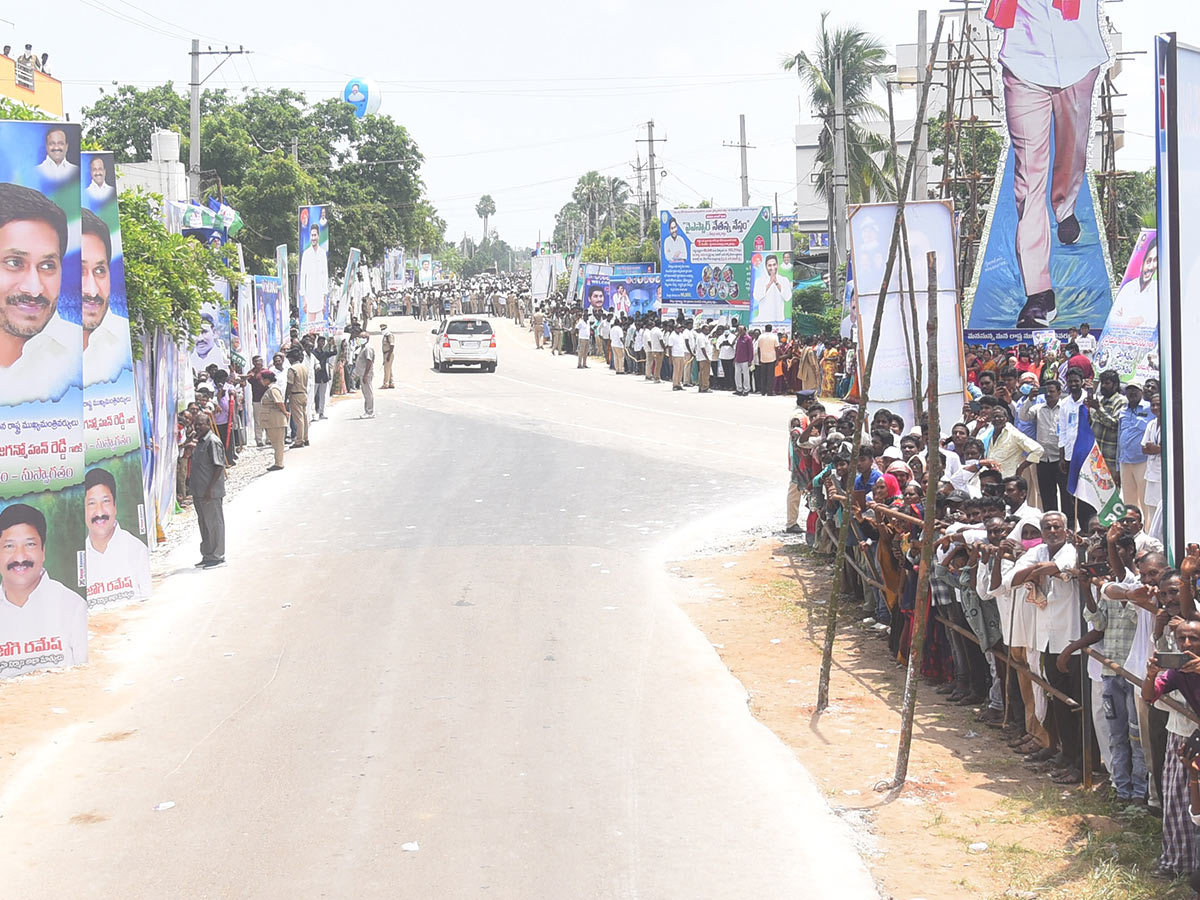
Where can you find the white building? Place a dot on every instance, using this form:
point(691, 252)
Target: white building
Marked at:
point(164, 174)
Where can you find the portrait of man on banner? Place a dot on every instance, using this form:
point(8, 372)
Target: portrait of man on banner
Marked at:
point(1044, 263)
point(313, 282)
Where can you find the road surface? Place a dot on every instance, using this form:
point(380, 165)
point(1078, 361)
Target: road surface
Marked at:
point(446, 629)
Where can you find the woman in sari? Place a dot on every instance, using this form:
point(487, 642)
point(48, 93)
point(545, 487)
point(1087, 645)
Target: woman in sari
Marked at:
point(339, 371)
point(829, 364)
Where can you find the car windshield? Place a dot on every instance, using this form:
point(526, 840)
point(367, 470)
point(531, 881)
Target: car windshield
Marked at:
point(469, 327)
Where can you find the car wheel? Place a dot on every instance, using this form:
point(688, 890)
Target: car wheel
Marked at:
point(489, 367)
point(434, 358)
point(443, 366)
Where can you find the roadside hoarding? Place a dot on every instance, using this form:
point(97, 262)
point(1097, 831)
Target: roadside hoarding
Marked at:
point(1129, 343)
point(1043, 261)
point(312, 292)
point(707, 254)
point(43, 583)
point(116, 549)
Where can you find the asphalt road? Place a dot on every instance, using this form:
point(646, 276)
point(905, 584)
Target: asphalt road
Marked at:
point(447, 628)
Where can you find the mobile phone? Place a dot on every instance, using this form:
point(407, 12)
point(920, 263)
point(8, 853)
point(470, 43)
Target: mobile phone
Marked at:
point(974, 406)
point(1096, 569)
point(1171, 660)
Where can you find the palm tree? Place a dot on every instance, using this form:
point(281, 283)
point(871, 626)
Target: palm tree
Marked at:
point(591, 194)
point(617, 201)
point(864, 60)
point(485, 208)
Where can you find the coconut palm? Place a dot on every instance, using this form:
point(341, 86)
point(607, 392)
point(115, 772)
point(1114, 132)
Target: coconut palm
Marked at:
point(485, 208)
point(864, 60)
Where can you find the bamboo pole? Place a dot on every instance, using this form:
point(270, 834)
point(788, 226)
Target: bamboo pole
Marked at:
point(867, 365)
point(934, 475)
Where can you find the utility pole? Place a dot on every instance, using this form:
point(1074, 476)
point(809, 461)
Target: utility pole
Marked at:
point(649, 139)
point(841, 179)
point(194, 111)
point(641, 200)
point(743, 146)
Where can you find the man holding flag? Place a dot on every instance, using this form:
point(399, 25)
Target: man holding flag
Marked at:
point(1090, 479)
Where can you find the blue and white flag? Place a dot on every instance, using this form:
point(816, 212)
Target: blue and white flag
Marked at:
point(1090, 479)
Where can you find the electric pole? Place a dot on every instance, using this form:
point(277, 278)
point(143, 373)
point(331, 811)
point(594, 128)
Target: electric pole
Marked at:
point(194, 111)
point(744, 147)
point(841, 179)
point(649, 139)
point(641, 199)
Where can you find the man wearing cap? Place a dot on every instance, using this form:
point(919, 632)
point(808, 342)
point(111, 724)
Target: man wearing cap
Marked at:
point(1131, 431)
point(118, 564)
point(274, 416)
point(389, 351)
point(42, 623)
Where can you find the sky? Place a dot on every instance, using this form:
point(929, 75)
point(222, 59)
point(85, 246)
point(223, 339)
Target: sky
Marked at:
point(519, 99)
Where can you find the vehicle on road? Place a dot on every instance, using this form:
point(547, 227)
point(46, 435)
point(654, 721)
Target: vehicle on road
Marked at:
point(465, 341)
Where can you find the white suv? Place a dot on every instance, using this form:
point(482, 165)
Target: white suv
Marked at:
point(465, 340)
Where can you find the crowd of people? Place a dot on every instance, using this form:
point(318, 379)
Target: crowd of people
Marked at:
point(689, 352)
point(274, 405)
point(1034, 601)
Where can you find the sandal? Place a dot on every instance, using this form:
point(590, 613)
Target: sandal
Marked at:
point(1070, 776)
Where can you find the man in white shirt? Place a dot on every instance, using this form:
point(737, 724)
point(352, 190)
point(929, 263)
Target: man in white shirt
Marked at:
point(654, 352)
point(583, 335)
point(704, 351)
point(770, 293)
point(616, 337)
point(42, 623)
point(605, 330)
point(314, 277)
point(118, 564)
point(98, 190)
point(1051, 56)
point(106, 350)
point(677, 342)
point(39, 350)
point(674, 247)
point(1086, 342)
point(1048, 567)
point(1051, 479)
point(55, 166)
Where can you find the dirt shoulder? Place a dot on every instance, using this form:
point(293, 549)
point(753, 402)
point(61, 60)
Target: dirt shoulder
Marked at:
point(764, 609)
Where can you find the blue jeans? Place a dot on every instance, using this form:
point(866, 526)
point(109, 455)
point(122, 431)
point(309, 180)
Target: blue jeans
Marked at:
point(1124, 741)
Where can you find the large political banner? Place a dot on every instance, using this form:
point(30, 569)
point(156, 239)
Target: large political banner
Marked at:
point(1043, 261)
point(268, 310)
point(596, 278)
point(117, 551)
point(708, 254)
point(634, 294)
point(425, 270)
point(1129, 343)
point(312, 292)
point(771, 288)
point(43, 613)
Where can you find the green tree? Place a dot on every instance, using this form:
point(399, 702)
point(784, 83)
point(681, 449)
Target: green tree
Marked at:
point(864, 60)
point(1137, 208)
point(973, 149)
point(485, 209)
point(13, 109)
point(167, 276)
point(124, 120)
point(609, 247)
point(367, 170)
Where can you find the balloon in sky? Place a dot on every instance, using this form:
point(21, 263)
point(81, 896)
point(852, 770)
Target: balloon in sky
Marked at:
point(363, 95)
